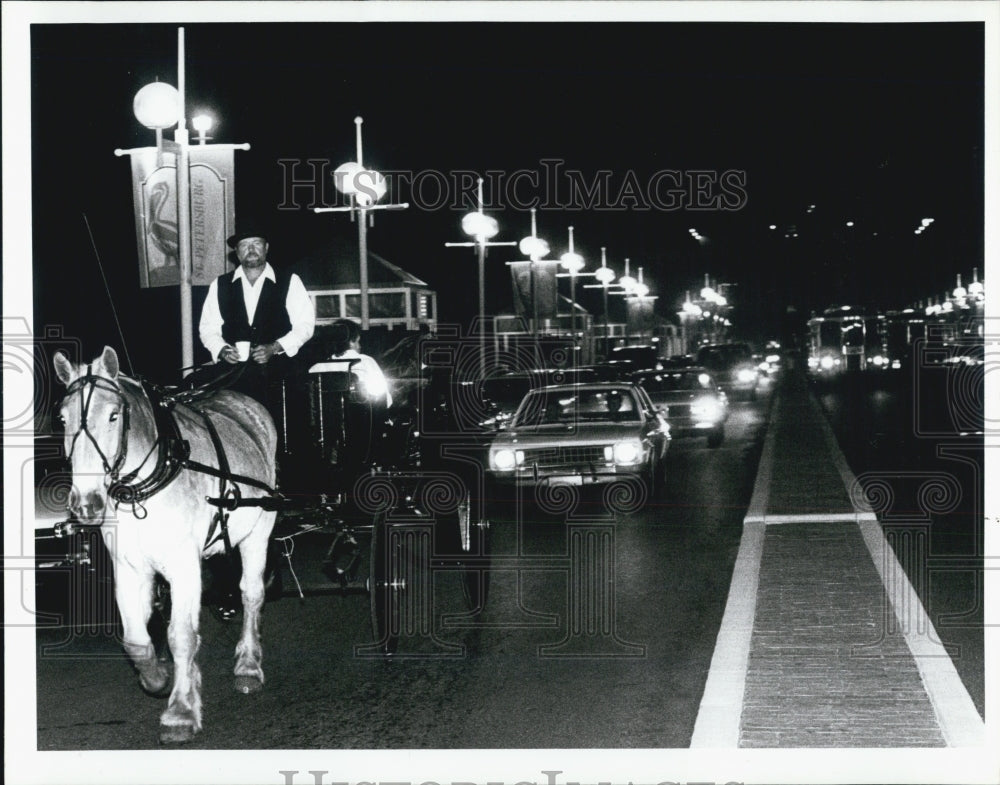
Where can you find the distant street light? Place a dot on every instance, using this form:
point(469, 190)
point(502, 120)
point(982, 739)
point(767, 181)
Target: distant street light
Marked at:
point(627, 282)
point(976, 289)
point(202, 123)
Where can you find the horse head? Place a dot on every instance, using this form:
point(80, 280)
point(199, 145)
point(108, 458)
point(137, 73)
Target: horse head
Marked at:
point(95, 414)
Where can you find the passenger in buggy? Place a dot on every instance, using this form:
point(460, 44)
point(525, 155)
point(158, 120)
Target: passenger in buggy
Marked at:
point(366, 404)
point(347, 346)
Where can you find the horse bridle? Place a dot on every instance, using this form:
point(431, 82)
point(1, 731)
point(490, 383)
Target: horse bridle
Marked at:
point(111, 469)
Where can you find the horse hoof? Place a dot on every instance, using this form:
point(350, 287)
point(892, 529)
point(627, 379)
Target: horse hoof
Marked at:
point(156, 682)
point(248, 684)
point(161, 691)
point(176, 734)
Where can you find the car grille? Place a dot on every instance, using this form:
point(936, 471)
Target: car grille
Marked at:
point(555, 456)
point(679, 410)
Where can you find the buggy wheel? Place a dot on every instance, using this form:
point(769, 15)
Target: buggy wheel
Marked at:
point(461, 541)
point(476, 580)
point(474, 538)
point(385, 585)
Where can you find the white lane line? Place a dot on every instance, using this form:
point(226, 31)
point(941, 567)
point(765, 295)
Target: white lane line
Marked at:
point(956, 713)
point(721, 708)
point(757, 512)
point(718, 722)
point(833, 517)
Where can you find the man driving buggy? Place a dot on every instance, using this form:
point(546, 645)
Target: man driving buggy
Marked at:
point(258, 316)
point(254, 319)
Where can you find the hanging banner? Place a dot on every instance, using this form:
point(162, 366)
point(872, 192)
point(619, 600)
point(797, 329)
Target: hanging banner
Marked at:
point(213, 211)
point(544, 284)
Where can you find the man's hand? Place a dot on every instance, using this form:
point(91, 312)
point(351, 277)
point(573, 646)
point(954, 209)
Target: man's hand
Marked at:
point(229, 355)
point(265, 351)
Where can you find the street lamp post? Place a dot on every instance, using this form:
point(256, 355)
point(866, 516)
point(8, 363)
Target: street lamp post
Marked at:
point(535, 248)
point(364, 187)
point(159, 106)
point(482, 228)
point(605, 275)
point(641, 294)
point(573, 263)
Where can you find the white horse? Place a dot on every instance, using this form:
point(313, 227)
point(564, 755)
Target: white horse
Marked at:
point(112, 438)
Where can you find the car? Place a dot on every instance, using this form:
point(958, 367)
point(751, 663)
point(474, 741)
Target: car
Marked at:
point(582, 434)
point(733, 366)
point(771, 363)
point(690, 400)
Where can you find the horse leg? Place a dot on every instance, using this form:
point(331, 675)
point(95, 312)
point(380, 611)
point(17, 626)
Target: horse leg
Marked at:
point(134, 595)
point(182, 718)
point(253, 552)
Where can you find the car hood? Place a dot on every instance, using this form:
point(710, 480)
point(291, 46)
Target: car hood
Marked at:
point(568, 434)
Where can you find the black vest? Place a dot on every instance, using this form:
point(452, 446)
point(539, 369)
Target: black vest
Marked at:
point(270, 320)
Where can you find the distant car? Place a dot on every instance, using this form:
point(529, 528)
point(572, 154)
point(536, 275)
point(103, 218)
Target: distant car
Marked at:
point(677, 361)
point(582, 434)
point(771, 362)
point(641, 357)
point(690, 400)
point(733, 366)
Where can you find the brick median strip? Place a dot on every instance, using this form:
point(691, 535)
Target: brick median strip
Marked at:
point(799, 673)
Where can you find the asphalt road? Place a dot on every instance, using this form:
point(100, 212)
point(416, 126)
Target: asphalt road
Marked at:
point(598, 632)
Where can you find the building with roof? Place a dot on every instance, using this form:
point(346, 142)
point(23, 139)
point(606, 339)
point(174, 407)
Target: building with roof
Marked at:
point(397, 299)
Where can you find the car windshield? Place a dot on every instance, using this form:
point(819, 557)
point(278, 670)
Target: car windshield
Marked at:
point(677, 382)
point(550, 407)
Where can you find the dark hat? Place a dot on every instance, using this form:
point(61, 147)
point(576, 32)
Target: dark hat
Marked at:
point(247, 228)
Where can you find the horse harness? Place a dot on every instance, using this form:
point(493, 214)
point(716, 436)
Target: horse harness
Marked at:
point(173, 452)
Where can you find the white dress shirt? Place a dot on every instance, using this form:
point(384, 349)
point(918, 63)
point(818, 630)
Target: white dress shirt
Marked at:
point(300, 309)
point(369, 372)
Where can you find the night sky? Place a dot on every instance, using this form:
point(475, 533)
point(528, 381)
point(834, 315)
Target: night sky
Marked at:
point(881, 124)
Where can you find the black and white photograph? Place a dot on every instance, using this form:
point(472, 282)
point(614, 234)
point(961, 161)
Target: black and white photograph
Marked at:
point(499, 392)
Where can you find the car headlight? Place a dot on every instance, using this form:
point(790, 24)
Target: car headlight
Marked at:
point(746, 375)
point(506, 459)
point(826, 362)
point(706, 409)
point(627, 453)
